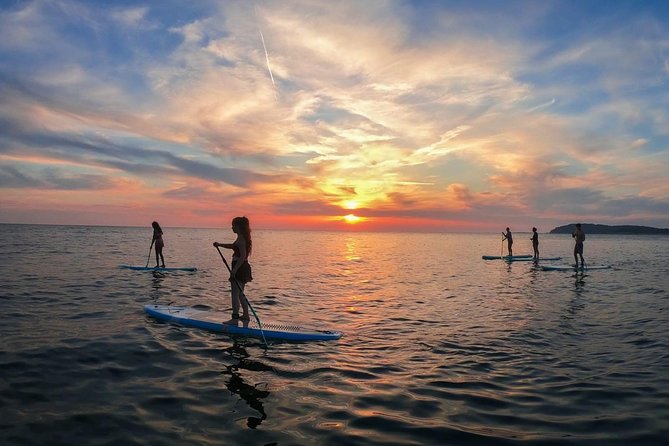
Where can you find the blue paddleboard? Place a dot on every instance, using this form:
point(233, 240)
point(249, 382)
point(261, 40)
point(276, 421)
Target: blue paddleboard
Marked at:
point(522, 256)
point(213, 321)
point(153, 268)
point(573, 268)
point(541, 259)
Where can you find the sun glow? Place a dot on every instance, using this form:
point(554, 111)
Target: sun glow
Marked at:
point(350, 204)
point(352, 219)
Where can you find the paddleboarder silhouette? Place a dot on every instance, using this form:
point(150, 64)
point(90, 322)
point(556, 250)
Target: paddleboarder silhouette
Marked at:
point(509, 240)
point(159, 244)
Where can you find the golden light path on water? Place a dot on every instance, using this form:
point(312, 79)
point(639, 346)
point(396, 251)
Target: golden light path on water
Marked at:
point(437, 343)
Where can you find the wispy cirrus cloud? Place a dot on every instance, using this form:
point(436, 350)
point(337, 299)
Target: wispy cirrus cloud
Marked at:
point(436, 111)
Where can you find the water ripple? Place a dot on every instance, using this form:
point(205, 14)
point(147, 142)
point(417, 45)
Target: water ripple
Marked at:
point(440, 347)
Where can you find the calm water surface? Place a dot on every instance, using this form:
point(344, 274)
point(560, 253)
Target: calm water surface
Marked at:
point(440, 347)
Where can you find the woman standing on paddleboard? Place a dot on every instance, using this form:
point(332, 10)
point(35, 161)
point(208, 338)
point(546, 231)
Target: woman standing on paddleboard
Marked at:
point(535, 243)
point(158, 240)
point(240, 272)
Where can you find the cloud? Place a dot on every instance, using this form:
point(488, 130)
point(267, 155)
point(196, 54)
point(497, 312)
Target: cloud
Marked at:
point(52, 179)
point(133, 17)
point(640, 142)
point(391, 103)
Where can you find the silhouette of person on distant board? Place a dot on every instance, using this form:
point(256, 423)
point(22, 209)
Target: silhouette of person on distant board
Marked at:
point(579, 236)
point(535, 243)
point(158, 240)
point(509, 240)
point(240, 268)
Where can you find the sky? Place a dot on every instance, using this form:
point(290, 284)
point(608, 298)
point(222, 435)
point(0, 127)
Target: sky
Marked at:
point(361, 116)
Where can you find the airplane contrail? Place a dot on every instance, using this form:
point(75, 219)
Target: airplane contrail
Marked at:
point(269, 68)
point(264, 47)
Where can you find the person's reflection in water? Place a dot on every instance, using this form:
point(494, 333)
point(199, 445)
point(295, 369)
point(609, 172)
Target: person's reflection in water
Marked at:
point(249, 393)
point(157, 285)
point(579, 284)
point(577, 302)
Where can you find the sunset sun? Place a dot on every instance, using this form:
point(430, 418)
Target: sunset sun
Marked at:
point(352, 219)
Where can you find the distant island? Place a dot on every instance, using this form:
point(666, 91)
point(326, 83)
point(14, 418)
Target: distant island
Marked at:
point(591, 228)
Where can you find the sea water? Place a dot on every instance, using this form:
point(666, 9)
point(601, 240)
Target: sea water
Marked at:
point(439, 347)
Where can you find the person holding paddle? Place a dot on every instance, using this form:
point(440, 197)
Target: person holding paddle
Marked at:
point(535, 243)
point(509, 240)
point(240, 272)
point(579, 237)
point(158, 240)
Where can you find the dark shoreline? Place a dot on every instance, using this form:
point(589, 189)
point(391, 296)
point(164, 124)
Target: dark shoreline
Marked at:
point(592, 228)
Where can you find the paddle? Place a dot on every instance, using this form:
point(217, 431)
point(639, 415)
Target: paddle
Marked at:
point(501, 251)
point(244, 296)
point(149, 257)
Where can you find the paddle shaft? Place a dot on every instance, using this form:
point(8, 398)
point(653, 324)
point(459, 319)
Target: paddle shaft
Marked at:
point(234, 280)
point(149, 257)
